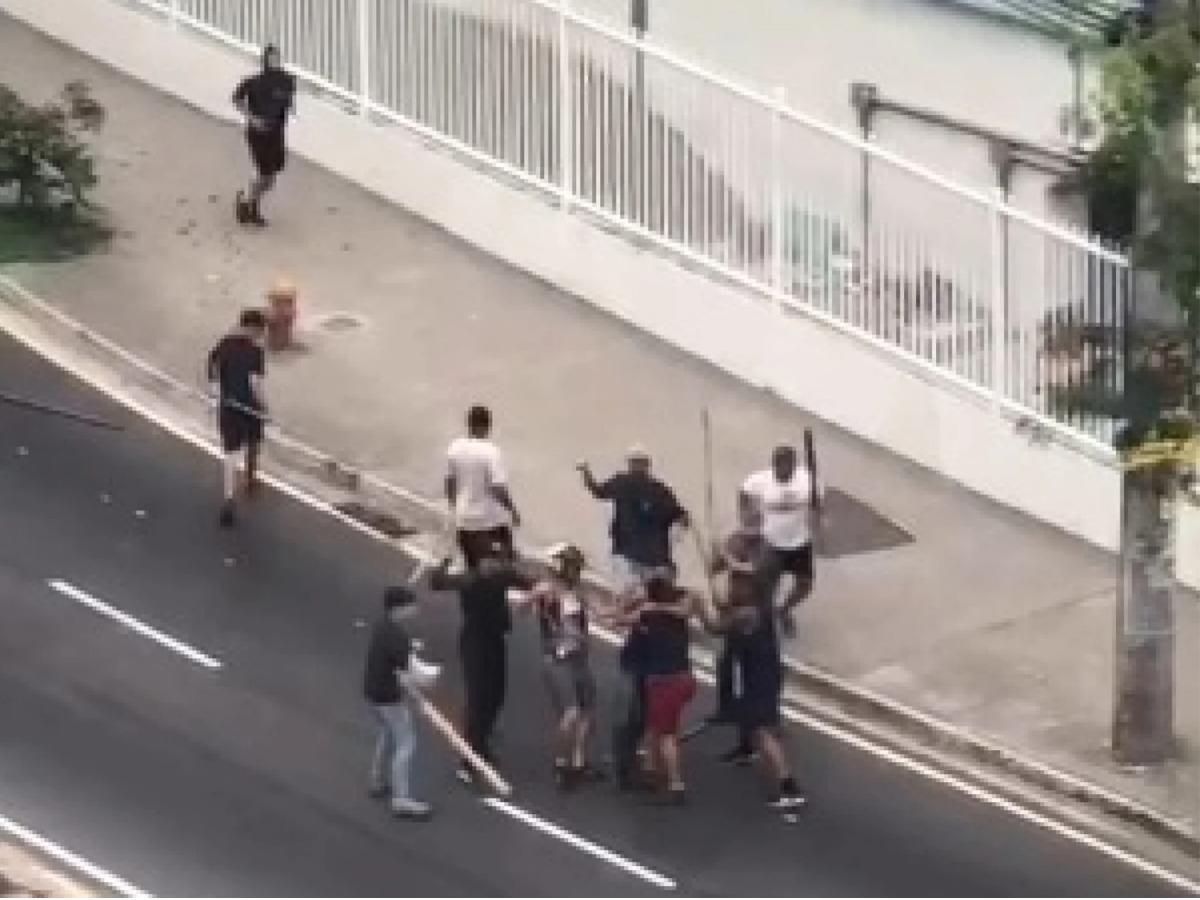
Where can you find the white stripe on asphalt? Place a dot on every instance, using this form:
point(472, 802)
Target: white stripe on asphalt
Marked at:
point(579, 843)
point(73, 860)
point(47, 350)
point(85, 599)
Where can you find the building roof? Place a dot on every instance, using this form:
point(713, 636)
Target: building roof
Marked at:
point(1069, 19)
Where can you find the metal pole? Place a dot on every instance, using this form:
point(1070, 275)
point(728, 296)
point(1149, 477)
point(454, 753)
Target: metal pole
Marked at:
point(364, 58)
point(999, 313)
point(864, 98)
point(640, 20)
point(778, 247)
point(566, 181)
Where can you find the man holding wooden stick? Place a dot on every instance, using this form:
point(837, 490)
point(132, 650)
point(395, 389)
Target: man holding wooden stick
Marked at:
point(788, 497)
point(391, 667)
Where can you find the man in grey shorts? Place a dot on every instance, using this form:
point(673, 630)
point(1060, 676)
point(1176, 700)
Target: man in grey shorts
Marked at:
point(563, 625)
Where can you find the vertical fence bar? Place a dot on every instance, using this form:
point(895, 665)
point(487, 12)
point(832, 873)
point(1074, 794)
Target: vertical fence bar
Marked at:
point(777, 225)
point(364, 57)
point(173, 14)
point(565, 152)
point(999, 311)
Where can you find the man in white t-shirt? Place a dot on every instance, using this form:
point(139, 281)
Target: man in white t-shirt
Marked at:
point(783, 495)
point(477, 490)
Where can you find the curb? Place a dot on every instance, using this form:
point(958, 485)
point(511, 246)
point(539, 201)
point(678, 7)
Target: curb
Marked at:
point(21, 875)
point(399, 514)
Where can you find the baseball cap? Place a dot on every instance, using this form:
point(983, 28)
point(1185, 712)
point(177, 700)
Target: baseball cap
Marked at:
point(638, 451)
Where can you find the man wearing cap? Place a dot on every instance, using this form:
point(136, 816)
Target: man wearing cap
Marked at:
point(266, 99)
point(644, 511)
point(391, 665)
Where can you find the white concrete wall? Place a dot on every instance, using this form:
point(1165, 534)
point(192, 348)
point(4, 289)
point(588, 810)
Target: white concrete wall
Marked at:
point(951, 60)
point(833, 375)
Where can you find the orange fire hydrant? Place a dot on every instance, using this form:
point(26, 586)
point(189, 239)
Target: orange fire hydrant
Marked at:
point(281, 315)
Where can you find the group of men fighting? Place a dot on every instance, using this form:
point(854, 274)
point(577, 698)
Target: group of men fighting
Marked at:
point(652, 612)
point(649, 609)
point(777, 509)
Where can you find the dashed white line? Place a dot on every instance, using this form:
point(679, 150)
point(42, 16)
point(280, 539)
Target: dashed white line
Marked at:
point(62, 855)
point(579, 843)
point(64, 361)
point(83, 598)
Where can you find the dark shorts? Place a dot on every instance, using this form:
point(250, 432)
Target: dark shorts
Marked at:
point(238, 429)
point(268, 150)
point(797, 562)
point(476, 544)
point(570, 683)
point(760, 680)
point(667, 696)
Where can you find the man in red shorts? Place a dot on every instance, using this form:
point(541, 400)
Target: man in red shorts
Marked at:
point(662, 621)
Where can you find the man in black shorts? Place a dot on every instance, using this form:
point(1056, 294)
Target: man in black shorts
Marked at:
point(266, 99)
point(783, 496)
point(237, 365)
point(751, 630)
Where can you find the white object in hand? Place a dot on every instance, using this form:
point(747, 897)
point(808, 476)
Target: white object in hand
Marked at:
point(421, 674)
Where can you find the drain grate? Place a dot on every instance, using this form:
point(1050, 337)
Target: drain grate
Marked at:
point(385, 523)
point(340, 322)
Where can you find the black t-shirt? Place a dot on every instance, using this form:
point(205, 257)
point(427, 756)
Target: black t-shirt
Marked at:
point(268, 95)
point(388, 652)
point(664, 643)
point(644, 509)
point(232, 363)
point(483, 597)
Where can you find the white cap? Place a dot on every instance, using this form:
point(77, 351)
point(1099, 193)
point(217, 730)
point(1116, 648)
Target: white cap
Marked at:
point(638, 451)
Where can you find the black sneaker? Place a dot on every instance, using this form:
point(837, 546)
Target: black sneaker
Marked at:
point(241, 209)
point(739, 756)
point(228, 517)
point(255, 216)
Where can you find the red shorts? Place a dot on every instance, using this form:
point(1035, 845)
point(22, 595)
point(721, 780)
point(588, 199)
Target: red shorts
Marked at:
point(666, 698)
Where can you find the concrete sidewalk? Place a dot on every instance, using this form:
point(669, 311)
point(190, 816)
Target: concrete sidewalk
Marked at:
point(936, 599)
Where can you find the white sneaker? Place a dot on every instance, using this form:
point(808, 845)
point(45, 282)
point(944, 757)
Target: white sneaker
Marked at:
point(407, 808)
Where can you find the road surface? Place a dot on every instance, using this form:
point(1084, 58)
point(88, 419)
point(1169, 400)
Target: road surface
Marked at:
point(232, 763)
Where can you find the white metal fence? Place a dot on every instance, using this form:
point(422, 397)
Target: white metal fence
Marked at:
point(985, 295)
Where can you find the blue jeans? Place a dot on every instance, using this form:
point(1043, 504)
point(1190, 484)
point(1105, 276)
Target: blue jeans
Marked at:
point(394, 748)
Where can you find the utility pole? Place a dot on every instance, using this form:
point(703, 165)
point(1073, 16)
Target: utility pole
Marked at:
point(1143, 731)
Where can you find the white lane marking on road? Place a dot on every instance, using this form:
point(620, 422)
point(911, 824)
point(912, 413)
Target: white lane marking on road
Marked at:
point(579, 843)
point(73, 860)
point(61, 359)
point(85, 599)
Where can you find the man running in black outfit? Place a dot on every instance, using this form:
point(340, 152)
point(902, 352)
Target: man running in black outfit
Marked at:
point(482, 641)
point(237, 365)
point(266, 99)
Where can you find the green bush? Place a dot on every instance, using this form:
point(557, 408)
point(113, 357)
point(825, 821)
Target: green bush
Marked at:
point(45, 161)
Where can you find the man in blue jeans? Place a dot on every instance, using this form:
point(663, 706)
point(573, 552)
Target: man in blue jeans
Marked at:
point(391, 664)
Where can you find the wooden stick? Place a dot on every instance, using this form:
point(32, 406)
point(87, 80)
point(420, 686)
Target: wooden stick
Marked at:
point(442, 725)
point(35, 406)
point(706, 427)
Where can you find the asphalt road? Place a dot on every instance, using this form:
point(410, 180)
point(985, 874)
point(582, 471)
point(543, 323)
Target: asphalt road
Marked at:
point(248, 779)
